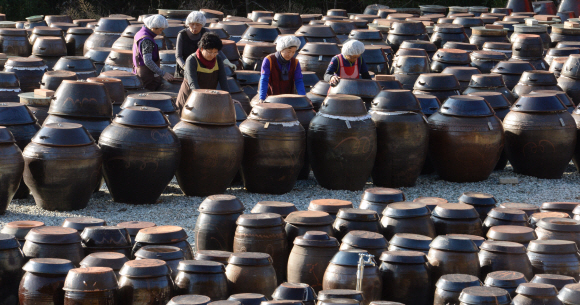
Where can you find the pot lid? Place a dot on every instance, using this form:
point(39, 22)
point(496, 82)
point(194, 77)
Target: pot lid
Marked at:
point(273, 302)
point(407, 28)
point(163, 253)
point(233, 85)
point(213, 107)
point(133, 227)
point(488, 55)
point(483, 31)
point(495, 99)
point(221, 204)
point(450, 28)
point(145, 268)
point(538, 103)
point(261, 220)
point(411, 52)
point(348, 257)
point(161, 235)
point(411, 241)
point(404, 257)
point(112, 25)
point(365, 34)
point(436, 82)
point(552, 246)
point(468, 22)
point(141, 116)
point(419, 44)
point(452, 56)
point(507, 279)
point(343, 105)
point(334, 294)
point(49, 266)
point(12, 32)
point(270, 112)
point(357, 215)
point(559, 224)
point(455, 211)
point(321, 88)
point(90, 100)
point(310, 78)
point(19, 229)
point(396, 100)
point(559, 206)
point(322, 31)
point(477, 198)
point(562, 51)
point(456, 45)
point(453, 243)
point(537, 290)
point(534, 218)
point(526, 207)
point(383, 195)
point(316, 239)
point(258, 49)
point(320, 48)
point(558, 280)
point(570, 294)
point(294, 291)
point(463, 74)
point(484, 295)
point(503, 247)
point(309, 218)
point(14, 62)
point(80, 223)
point(130, 80)
point(538, 77)
point(192, 299)
point(250, 259)
point(161, 101)
point(519, 234)
point(330, 206)
point(112, 260)
point(406, 210)
point(466, 106)
point(91, 279)
point(246, 77)
point(507, 214)
point(240, 113)
point(478, 240)
point(261, 33)
point(106, 236)
point(47, 31)
point(53, 235)
point(63, 134)
point(278, 207)
point(492, 45)
point(297, 102)
point(565, 98)
point(6, 136)
point(365, 240)
point(8, 241)
point(457, 282)
point(213, 255)
point(512, 67)
point(364, 88)
point(77, 30)
point(201, 266)
point(15, 114)
point(430, 201)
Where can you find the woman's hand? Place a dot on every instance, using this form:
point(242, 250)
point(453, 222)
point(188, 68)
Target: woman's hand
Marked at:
point(334, 80)
point(168, 77)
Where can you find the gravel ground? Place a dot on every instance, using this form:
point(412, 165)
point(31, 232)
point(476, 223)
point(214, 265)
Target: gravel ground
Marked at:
point(174, 208)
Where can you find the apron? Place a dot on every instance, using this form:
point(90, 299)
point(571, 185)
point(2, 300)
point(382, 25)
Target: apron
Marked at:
point(276, 85)
point(150, 81)
point(348, 72)
point(206, 78)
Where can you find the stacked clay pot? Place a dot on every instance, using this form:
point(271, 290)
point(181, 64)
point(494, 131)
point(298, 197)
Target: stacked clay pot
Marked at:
point(209, 139)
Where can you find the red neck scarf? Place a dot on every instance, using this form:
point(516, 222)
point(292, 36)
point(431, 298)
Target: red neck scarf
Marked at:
point(207, 63)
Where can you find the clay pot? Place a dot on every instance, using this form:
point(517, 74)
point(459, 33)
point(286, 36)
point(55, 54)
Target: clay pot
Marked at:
point(317, 56)
point(534, 293)
point(80, 223)
point(254, 53)
point(134, 226)
point(565, 207)
point(51, 80)
point(503, 47)
point(116, 92)
point(504, 255)
point(408, 68)
point(294, 292)
point(300, 222)
point(19, 229)
point(463, 75)
point(410, 242)
point(11, 165)
point(95, 284)
point(14, 42)
point(449, 287)
point(554, 257)
point(480, 35)
point(355, 219)
point(535, 81)
point(44, 31)
point(378, 198)
point(202, 277)
point(408, 271)
point(251, 272)
point(511, 71)
point(54, 242)
point(451, 255)
point(190, 299)
point(75, 40)
point(444, 58)
point(28, 70)
point(106, 239)
point(107, 31)
point(451, 218)
point(484, 295)
point(213, 255)
point(445, 32)
point(98, 57)
point(504, 217)
point(147, 279)
point(518, 234)
point(12, 260)
point(43, 280)
point(52, 147)
point(536, 217)
point(559, 281)
point(82, 66)
point(356, 155)
point(440, 85)
point(112, 260)
point(248, 298)
point(282, 208)
point(341, 274)
point(486, 60)
point(405, 217)
point(430, 202)
point(216, 224)
point(163, 236)
point(507, 280)
point(374, 243)
point(482, 202)
point(559, 229)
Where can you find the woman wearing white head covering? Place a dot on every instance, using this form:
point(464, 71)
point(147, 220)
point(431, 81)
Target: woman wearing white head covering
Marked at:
point(146, 53)
point(281, 72)
point(347, 64)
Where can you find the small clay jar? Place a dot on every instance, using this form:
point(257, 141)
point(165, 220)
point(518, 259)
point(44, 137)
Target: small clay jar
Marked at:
point(410, 242)
point(450, 254)
point(407, 217)
point(507, 280)
point(374, 243)
point(449, 287)
point(355, 219)
point(451, 218)
point(559, 281)
point(330, 206)
point(377, 198)
point(536, 293)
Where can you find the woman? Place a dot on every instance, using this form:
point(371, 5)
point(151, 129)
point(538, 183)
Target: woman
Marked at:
point(203, 69)
point(187, 41)
point(281, 72)
point(146, 53)
point(347, 64)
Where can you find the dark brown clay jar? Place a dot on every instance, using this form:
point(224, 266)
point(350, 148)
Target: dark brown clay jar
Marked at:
point(309, 258)
point(484, 296)
point(486, 60)
point(554, 257)
point(300, 222)
point(559, 281)
point(52, 79)
point(19, 229)
point(294, 292)
point(272, 128)
point(535, 81)
point(451, 255)
point(409, 272)
point(355, 219)
point(374, 243)
point(11, 166)
point(68, 152)
point(452, 218)
point(172, 256)
point(316, 56)
point(14, 42)
point(81, 66)
point(342, 127)
point(480, 35)
point(366, 89)
point(463, 75)
point(407, 217)
point(11, 260)
point(431, 202)
point(489, 83)
point(107, 31)
point(75, 40)
point(410, 242)
point(536, 217)
point(341, 274)
point(511, 71)
point(147, 279)
point(282, 208)
point(395, 113)
point(216, 224)
point(378, 198)
point(43, 281)
point(565, 207)
point(106, 239)
point(559, 229)
point(80, 223)
point(449, 287)
point(459, 119)
point(28, 70)
point(163, 236)
point(54, 242)
point(518, 234)
point(112, 260)
point(540, 136)
point(97, 285)
point(569, 294)
point(251, 272)
point(202, 278)
point(134, 226)
point(536, 293)
point(444, 58)
point(482, 202)
point(213, 255)
point(507, 280)
point(504, 255)
point(263, 233)
point(448, 32)
point(526, 207)
point(330, 206)
point(504, 217)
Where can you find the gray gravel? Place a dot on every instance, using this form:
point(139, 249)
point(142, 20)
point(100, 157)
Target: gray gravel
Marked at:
point(174, 208)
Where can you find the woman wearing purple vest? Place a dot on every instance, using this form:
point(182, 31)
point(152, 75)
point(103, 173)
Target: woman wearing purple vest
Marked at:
point(146, 53)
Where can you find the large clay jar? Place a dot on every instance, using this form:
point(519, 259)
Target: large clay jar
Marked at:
point(559, 229)
point(263, 233)
point(43, 281)
point(341, 273)
point(374, 243)
point(449, 286)
point(10, 86)
point(14, 42)
point(462, 124)
point(482, 202)
point(518, 234)
point(316, 56)
point(504, 255)
point(507, 280)
point(97, 284)
point(202, 278)
point(216, 224)
point(146, 279)
point(402, 138)
point(564, 207)
point(213, 255)
point(569, 294)
point(115, 90)
point(62, 167)
point(489, 83)
point(329, 206)
point(453, 218)
point(444, 32)
point(536, 294)
point(554, 257)
point(279, 207)
point(165, 236)
point(452, 255)
point(54, 242)
point(342, 143)
point(251, 272)
point(407, 217)
point(11, 166)
point(406, 277)
point(11, 260)
point(75, 40)
point(80, 223)
point(140, 155)
point(540, 136)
